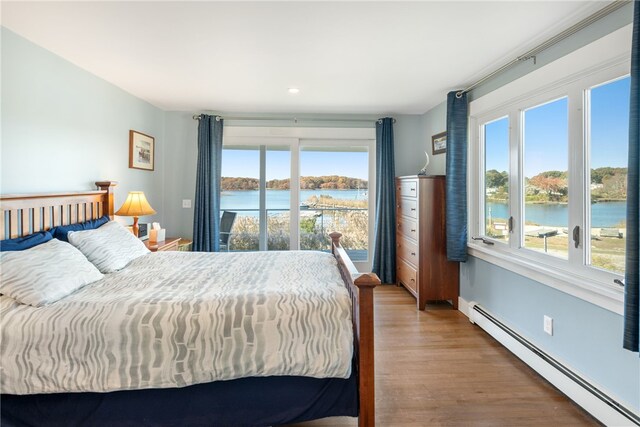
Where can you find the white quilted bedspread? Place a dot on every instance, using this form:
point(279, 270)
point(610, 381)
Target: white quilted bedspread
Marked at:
point(171, 319)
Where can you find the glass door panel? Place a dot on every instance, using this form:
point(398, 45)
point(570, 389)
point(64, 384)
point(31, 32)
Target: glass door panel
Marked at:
point(334, 196)
point(240, 193)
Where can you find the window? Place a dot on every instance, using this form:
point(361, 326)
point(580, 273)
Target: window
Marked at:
point(545, 178)
point(550, 173)
point(290, 192)
point(496, 180)
point(609, 144)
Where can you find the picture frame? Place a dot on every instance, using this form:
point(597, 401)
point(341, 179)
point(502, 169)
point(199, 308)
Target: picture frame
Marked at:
point(439, 143)
point(141, 151)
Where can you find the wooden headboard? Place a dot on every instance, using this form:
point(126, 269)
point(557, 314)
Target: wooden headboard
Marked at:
point(23, 214)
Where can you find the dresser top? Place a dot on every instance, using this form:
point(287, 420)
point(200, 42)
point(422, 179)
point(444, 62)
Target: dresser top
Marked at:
point(420, 176)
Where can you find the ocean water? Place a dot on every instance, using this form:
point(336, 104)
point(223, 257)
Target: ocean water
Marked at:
point(280, 199)
point(608, 214)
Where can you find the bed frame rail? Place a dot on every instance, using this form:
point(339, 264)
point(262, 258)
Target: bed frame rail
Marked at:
point(23, 214)
point(360, 287)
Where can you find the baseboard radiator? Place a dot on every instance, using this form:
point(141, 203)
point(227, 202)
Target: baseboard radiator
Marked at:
point(588, 396)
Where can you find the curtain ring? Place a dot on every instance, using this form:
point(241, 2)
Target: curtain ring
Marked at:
point(459, 94)
point(218, 118)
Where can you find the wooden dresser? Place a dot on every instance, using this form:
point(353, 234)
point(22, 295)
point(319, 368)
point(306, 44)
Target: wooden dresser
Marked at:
point(421, 257)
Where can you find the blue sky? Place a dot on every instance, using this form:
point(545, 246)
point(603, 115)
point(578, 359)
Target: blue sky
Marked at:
point(246, 163)
point(610, 124)
point(546, 144)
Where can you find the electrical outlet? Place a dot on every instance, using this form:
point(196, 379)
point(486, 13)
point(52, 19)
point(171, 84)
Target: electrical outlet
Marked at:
point(548, 325)
point(186, 203)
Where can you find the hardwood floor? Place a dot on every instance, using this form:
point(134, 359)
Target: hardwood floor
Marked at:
point(434, 368)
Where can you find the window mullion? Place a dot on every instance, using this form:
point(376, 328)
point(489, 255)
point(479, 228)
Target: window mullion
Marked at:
point(576, 182)
point(515, 178)
point(263, 199)
point(294, 191)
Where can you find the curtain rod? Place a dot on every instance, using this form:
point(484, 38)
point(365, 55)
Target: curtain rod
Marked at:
point(295, 119)
point(531, 54)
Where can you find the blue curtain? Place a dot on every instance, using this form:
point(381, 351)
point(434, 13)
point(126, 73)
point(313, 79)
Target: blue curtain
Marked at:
point(384, 248)
point(456, 182)
point(206, 218)
point(632, 291)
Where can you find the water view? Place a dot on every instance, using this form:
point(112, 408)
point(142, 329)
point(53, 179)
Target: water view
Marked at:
point(280, 199)
point(605, 214)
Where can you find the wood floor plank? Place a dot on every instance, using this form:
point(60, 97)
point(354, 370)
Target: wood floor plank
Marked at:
point(434, 368)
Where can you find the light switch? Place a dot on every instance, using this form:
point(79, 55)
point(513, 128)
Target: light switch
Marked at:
point(186, 203)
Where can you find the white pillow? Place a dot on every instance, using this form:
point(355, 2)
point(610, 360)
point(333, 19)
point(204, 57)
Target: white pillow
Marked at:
point(45, 273)
point(110, 247)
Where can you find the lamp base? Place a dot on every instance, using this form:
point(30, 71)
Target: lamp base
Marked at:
point(135, 227)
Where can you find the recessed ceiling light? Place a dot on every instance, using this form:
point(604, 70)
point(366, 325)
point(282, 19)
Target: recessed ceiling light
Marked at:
point(294, 90)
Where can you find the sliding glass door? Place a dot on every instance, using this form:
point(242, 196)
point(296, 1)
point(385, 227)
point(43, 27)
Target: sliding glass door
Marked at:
point(290, 193)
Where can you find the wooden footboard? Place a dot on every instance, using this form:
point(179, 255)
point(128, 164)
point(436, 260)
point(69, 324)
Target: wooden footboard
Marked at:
point(360, 286)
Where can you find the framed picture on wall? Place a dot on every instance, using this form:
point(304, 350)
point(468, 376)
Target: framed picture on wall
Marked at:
point(439, 143)
point(141, 150)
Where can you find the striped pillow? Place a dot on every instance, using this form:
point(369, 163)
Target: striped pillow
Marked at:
point(110, 247)
point(45, 273)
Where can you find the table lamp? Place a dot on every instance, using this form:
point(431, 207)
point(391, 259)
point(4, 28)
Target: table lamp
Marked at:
point(136, 205)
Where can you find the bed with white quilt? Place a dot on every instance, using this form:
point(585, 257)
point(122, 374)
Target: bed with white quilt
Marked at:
point(97, 330)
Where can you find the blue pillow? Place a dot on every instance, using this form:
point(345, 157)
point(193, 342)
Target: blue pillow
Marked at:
point(61, 231)
point(26, 242)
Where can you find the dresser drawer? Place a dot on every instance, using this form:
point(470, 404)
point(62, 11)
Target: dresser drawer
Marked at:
point(408, 207)
point(407, 275)
point(407, 227)
point(407, 250)
point(407, 188)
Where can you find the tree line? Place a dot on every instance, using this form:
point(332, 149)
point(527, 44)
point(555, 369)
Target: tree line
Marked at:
point(333, 182)
point(607, 183)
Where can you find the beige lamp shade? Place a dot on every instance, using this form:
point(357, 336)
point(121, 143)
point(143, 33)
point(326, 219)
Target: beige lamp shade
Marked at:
point(136, 205)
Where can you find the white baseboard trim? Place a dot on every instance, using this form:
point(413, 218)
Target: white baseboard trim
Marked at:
point(588, 396)
point(463, 306)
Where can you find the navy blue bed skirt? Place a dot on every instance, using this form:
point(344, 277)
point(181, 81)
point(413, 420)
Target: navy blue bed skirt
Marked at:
point(256, 401)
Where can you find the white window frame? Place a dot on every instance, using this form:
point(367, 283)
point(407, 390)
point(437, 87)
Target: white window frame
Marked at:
point(298, 138)
point(579, 74)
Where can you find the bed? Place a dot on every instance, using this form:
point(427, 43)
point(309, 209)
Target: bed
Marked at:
point(241, 392)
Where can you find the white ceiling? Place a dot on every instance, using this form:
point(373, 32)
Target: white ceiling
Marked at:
point(346, 57)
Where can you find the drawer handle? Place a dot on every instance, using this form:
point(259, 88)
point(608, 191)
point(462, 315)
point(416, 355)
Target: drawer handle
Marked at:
point(413, 209)
point(413, 189)
point(413, 253)
point(413, 230)
point(413, 280)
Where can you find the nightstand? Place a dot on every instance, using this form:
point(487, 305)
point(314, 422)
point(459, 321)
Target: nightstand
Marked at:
point(168, 244)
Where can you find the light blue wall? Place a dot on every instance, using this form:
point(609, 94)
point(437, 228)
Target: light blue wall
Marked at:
point(434, 122)
point(63, 128)
point(585, 337)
